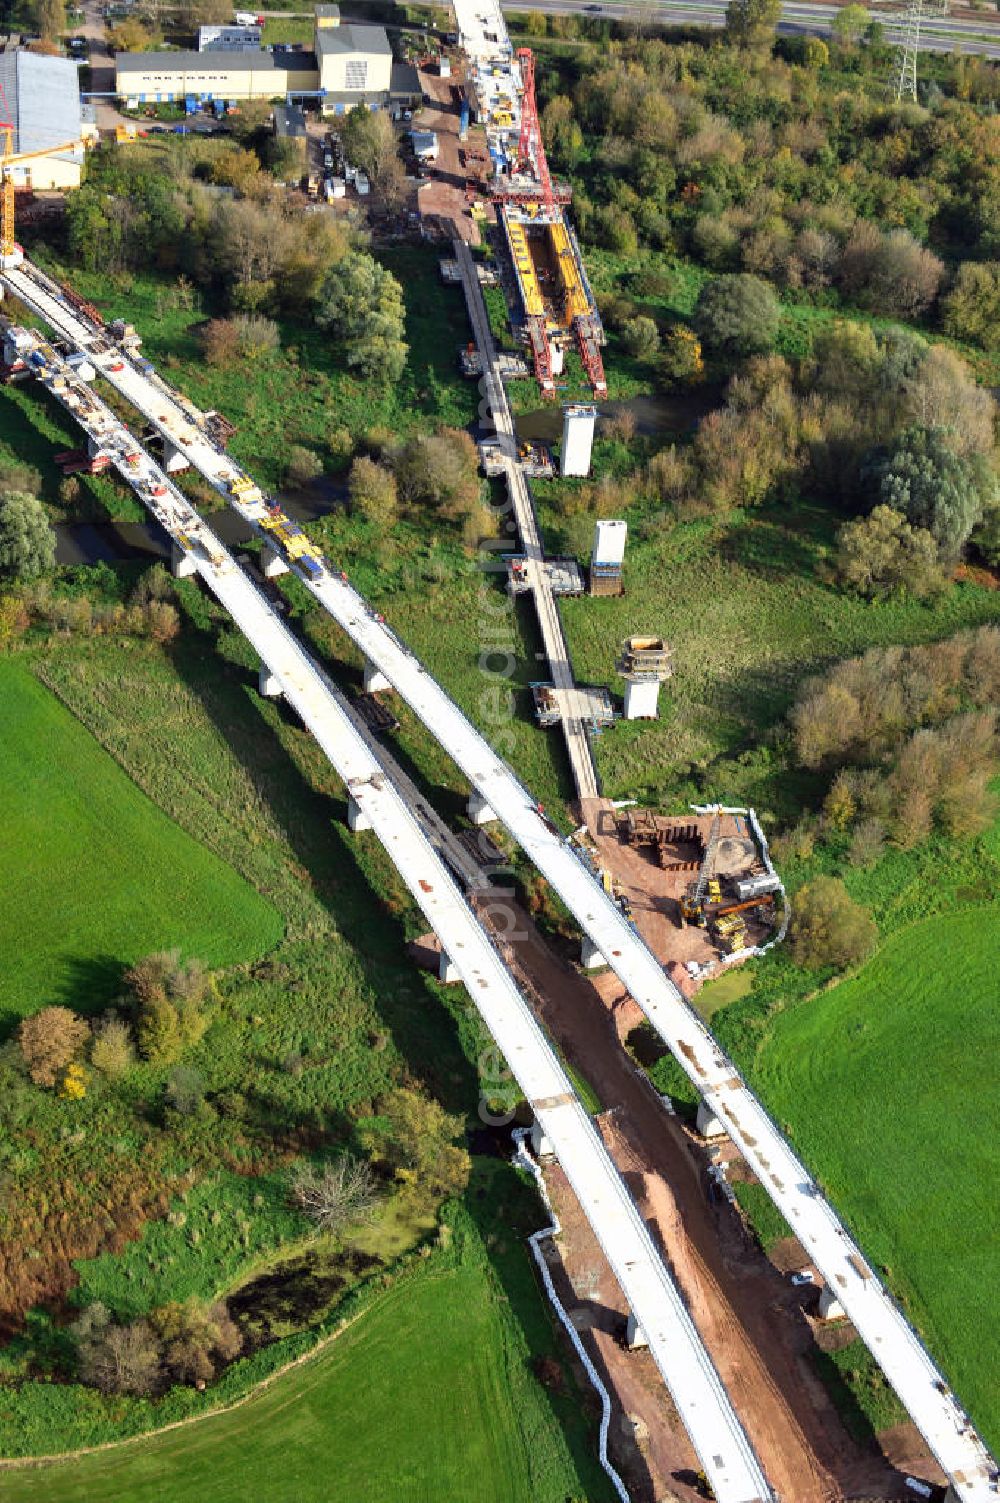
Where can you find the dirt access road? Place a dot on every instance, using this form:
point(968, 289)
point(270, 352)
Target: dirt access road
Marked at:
point(442, 197)
point(752, 1321)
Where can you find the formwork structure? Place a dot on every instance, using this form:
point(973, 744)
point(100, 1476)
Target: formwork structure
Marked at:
point(558, 307)
point(645, 663)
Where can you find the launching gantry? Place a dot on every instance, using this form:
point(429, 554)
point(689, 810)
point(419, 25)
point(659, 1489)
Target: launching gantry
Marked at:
point(557, 301)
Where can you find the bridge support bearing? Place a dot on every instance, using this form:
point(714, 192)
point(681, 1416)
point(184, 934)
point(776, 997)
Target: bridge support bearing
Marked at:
point(173, 459)
point(269, 683)
point(541, 1146)
point(635, 1336)
point(271, 562)
point(590, 955)
point(447, 969)
point(182, 563)
point(830, 1307)
point(707, 1123)
point(479, 810)
point(375, 680)
point(357, 819)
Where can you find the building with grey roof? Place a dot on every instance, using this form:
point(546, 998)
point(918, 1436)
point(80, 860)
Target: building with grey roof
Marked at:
point(40, 97)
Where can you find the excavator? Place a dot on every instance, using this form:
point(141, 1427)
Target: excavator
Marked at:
point(10, 251)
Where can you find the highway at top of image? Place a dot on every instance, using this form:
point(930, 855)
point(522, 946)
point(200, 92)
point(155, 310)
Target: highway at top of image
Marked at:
point(937, 34)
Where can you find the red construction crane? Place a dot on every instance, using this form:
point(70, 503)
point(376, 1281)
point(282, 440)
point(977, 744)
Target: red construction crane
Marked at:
point(530, 150)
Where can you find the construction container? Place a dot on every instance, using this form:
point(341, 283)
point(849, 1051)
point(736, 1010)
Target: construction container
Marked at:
point(757, 887)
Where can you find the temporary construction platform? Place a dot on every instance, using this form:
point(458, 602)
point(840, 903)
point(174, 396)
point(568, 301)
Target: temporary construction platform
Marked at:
point(558, 306)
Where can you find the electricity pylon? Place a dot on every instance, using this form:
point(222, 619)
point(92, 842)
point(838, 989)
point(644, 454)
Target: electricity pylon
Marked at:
point(917, 11)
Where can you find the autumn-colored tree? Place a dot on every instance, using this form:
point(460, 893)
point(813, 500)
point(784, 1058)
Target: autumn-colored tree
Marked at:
point(49, 1041)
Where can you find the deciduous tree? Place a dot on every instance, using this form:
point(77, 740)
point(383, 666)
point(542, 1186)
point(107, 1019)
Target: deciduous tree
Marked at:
point(49, 1041)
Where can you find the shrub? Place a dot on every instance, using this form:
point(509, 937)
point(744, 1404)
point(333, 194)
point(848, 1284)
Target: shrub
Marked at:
point(867, 842)
point(49, 1041)
point(921, 476)
point(185, 1090)
point(112, 1052)
point(372, 489)
point(829, 927)
point(337, 1194)
point(27, 542)
point(198, 1339)
point(255, 336)
point(737, 315)
point(171, 1004)
point(882, 555)
point(303, 465)
point(417, 1142)
point(113, 1358)
point(972, 308)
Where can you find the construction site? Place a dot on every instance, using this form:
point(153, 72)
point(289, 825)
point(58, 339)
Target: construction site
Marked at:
point(697, 1344)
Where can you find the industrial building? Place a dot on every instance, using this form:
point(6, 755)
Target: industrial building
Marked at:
point(43, 100)
point(348, 65)
point(229, 38)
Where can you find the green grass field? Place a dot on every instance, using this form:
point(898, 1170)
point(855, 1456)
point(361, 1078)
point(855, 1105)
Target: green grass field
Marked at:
point(748, 614)
point(888, 1084)
point(428, 1395)
point(102, 876)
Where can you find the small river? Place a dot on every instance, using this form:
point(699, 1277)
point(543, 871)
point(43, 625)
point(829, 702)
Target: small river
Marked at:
point(107, 542)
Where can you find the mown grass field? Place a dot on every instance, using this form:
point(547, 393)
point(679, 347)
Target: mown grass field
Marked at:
point(94, 874)
point(888, 1084)
point(429, 1394)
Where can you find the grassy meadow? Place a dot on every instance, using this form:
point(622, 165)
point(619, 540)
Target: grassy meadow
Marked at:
point(102, 876)
point(888, 1084)
point(429, 1393)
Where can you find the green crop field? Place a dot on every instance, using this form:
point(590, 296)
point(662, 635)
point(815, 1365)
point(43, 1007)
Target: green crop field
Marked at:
point(94, 874)
point(888, 1084)
point(427, 1395)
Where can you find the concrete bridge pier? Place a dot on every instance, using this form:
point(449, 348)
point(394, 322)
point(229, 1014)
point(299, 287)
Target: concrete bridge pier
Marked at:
point(635, 1336)
point(830, 1307)
point(269, 683)
point(357, 819)
point(271, 562)
point(375, 680)
point(590, 955)
point(479, 810)
point(708, 1123)
point(447, 969)
point(541, 1146)
point(173, 460)
point(182, 563)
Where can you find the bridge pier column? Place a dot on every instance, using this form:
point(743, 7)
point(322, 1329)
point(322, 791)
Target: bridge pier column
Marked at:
point(271, 562)
point(635, 1336)
point(708, 1123)
point(173, 459)
point(447, 969)
point(590, 955)
point(830, 1307)
point(269, 683)
point(375, 680)
point(541, 1146)
point(182, 563)
point(357, 819)
point(479, 810)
